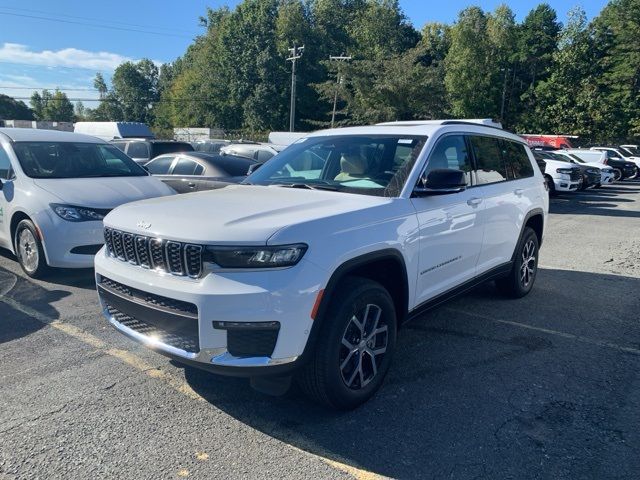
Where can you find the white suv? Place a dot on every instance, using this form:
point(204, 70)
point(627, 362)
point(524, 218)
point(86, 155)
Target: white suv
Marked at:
point(314, 264)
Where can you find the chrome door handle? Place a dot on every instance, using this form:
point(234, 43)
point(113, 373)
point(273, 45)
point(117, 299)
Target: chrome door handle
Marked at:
point(474, 202)
point(191, 185)
point(518, 192)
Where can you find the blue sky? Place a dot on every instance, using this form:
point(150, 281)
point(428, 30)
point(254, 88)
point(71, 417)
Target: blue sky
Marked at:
point(36, 51)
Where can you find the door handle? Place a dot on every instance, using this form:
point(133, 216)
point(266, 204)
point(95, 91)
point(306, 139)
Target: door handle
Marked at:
point(191, 185)
point(518, 192)
point(474, 202)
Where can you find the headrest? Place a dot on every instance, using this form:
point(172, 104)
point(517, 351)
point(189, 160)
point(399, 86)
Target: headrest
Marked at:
point(354, 163)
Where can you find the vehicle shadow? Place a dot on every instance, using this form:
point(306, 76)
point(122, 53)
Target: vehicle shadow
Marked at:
point(472, 389)
point(71, 277)
point(16, 293)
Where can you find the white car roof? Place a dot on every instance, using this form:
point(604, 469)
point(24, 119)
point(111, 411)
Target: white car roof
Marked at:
point(420, 128)
point(37, 135)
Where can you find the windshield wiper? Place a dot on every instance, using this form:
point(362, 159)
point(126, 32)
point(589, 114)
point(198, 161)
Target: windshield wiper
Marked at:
point(309, 186)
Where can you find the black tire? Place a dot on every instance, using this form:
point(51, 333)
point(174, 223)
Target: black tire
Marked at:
point(617, 174)
point(325, 378)
point(29, 251)
point(550, 184)
point(519, 283)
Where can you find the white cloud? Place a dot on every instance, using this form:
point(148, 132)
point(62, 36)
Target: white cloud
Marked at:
point(67, 57)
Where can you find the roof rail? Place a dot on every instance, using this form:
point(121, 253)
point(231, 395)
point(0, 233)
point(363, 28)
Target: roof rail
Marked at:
point(485, 122)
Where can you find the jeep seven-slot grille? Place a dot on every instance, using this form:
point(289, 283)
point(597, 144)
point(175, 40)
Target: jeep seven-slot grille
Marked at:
point(168, 256)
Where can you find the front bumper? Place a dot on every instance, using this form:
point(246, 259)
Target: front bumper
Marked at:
point(242, 299)
point(62, 239)
point(562, 185)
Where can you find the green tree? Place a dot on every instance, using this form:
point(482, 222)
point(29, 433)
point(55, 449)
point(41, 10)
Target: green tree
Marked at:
point(11, 109)
point(54, 106)
point(469, 67)
point(135, 88)
point(568, 98)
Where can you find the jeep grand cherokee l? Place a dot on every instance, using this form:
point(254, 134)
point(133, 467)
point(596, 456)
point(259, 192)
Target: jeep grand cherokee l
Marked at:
point(309, 269)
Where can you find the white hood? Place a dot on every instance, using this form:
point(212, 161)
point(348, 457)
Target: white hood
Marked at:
point(105, 192)
point(237, 214)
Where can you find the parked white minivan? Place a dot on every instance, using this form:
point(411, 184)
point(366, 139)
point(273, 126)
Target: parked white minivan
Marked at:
point(55, 189)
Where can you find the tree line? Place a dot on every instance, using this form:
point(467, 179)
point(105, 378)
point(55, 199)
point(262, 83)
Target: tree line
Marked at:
point(538, 75)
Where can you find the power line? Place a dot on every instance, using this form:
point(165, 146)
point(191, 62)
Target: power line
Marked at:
point(50, 19)
point(30, 10)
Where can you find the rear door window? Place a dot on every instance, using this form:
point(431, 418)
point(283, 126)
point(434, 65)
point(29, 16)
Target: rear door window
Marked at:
point(516, 160)
point(490, 167)
point(185, 167)
point(160, 166)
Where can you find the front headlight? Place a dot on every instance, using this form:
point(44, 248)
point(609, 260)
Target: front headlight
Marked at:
point(593, 171)
point(76, 214)
point(255, 257)
point(566, 171)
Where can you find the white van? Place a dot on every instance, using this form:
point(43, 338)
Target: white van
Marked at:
point(55, 189)
point(110, 130)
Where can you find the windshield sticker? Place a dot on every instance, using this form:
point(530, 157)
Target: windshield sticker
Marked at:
point(406, 141)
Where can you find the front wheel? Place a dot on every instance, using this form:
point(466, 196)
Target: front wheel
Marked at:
point(29, 250)
point(522, 276)
point(355, 345)
point(617, 175)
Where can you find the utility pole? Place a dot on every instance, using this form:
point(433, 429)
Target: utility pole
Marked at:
point(296, 53)
point(339, 80)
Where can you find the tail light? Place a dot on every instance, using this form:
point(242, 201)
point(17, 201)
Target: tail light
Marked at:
point(606, 161)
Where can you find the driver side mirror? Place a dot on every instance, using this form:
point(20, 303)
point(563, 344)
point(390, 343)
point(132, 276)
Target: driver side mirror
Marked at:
point(441, 181)
point(1, 183)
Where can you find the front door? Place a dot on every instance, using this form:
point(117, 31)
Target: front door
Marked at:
point(450, 233)
point(6, 195)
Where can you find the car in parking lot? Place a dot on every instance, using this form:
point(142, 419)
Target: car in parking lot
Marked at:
point(561, 175)
point(591, 176)
point(310, 271)
point(210, 146)
point(55, 189)
point(258, 151)
point(615, 153)
point(622, 169)
point(142, 150)
point(196, 171)
point(607, 174)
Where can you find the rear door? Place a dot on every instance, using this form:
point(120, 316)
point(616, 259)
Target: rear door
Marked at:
point(185, 175)
point(503, 174)
point(160, 168)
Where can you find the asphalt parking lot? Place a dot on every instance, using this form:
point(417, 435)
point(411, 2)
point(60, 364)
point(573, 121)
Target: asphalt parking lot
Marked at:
point(483, 387)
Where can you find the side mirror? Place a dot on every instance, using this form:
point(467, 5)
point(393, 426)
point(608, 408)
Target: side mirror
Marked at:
point(254, 167)
point(441, 181)
point(1, 183)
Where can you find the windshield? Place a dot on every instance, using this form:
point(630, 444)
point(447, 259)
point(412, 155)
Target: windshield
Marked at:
point(369, 165)
point(74, 160)
point(633, 151)
point(160, 148)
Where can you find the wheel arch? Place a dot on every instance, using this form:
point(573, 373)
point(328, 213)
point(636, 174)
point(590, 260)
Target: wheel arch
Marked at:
point(386, 267)
point(535, 220)
point(16, 218)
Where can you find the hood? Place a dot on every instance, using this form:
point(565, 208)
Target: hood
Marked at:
point(236, 214)
point(560, 164)
point(105, 192)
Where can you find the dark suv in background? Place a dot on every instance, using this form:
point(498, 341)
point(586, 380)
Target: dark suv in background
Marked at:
point(144, 150)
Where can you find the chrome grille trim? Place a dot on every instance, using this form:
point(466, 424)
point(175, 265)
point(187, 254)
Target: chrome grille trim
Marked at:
point(169, 256)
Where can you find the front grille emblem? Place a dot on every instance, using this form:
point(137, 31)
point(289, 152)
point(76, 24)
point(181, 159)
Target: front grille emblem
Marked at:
point(143, 224)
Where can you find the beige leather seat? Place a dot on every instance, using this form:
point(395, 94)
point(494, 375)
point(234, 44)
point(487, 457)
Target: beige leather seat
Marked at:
point(353, 166)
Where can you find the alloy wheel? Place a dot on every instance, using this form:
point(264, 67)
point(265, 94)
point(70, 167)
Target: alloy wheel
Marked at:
point(28, 250)
point(528, 266)
point(364, 344)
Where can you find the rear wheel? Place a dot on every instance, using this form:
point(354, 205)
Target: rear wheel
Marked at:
point(520, 280)
point(355, 346)
point(617, 175)
point(29, 250)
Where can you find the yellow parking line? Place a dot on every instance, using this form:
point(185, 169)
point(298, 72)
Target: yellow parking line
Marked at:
point(570, 336)
point(175, 383)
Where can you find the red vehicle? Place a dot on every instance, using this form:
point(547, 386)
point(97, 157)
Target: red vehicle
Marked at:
point(556, 142)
